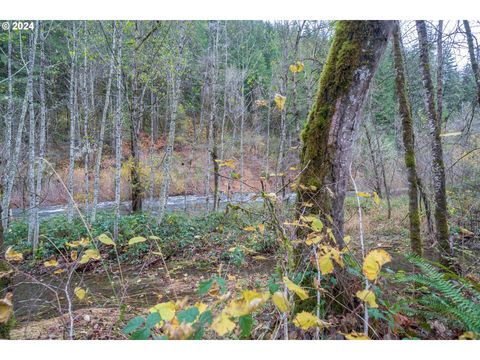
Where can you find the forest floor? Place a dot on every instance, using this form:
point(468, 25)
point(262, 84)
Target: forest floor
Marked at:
point(145, 279)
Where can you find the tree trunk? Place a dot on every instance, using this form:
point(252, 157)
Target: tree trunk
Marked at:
point(212, 85)
point(7, 149)
point(440, 73)
point(151, 148)
point(86, 117)
point(136, 182)
point(473, 57)
point(43, 132)
point(32, 198)
point(384, 173)
point(438, 168)
point(98, 160)
point(118, 133)
point(174, 77)
point(408, 143)
point(333, 122)
point(378, 186)
point(5, 279)
point(72, 109)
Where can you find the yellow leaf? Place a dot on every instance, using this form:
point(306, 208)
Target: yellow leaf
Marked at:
point(201, 307)
point(104, 239)
point(469, 335)
point(89, 254)
point(356, 336)
point(280, 301)
point(373, 262)
point(12, 255)
point(261, 228)
point(249, 228)
point(280, 101)
point(80, 293)
point(302, 294)
point(325, 264)
point(50, 263)
point(466, 232)
point(6, 308)
point(166, 310)
point(136, 240)
point(261, 102)
point(363, 194)
point(306, 320)
point(248, 303)
point(313, 239)
point(74, 255)
point(259, 257)
point(297, 67)
point(222, 324)
point(59, 271)
point(368, 296)
point(376, 198)
point(325, 257)
point(82, 242)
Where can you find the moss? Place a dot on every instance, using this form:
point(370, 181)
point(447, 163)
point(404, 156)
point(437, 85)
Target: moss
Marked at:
point(410, 159)
point(345, 56)
point(4, 286)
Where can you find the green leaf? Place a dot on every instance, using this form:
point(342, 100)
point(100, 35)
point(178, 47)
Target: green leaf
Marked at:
point(221, 283)
point(205, 286)
point(273, 287)
point(152, 319)
point(136, 240)
point(104, 239)
point(188, 316)
point(246, 323)
point(142, 334)
point(206, 317)
point(133, 325)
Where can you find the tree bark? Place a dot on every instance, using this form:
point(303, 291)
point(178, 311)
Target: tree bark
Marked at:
point(174, 77)
point(73, 117)
point(212, 85)
point(440, 73)
point(86, 117)
point(408, 143)
point(98, 160)
point(5, 279)
point(136, 182)
point(43, 133)
point(378, 186)
point(118, 133)
point(7, 149)
point(333, 122)
point(32, 198)
point(473, 57)
point(438, 168)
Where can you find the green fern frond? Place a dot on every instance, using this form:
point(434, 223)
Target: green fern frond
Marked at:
point(453, 298)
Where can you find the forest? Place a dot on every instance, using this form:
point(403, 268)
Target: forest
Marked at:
point(240, 179)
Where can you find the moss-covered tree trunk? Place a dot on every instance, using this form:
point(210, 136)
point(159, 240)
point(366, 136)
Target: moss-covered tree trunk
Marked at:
point(438, 167)
point(408, 142)
point(334, 120)
point(473, 57)
point(135, 176)
point(4, 277)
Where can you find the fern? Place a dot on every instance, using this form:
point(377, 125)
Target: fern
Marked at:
point(456, 300)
